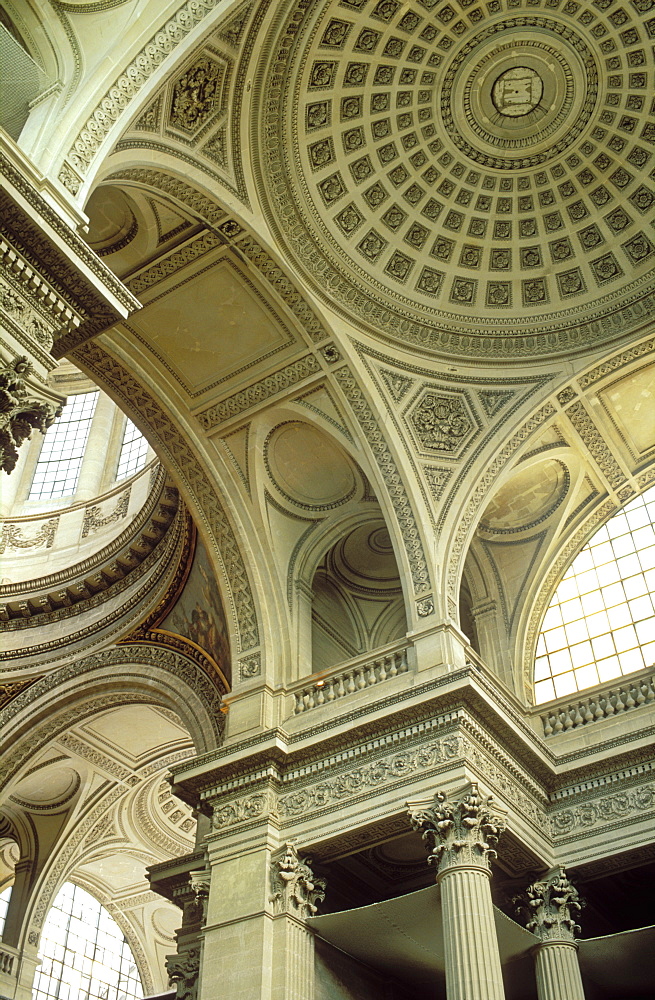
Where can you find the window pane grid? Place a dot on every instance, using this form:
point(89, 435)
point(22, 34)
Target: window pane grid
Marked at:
point(60, 460)
point(4, 906)
point(84, 953)
point(600, 623)
point(133, 452)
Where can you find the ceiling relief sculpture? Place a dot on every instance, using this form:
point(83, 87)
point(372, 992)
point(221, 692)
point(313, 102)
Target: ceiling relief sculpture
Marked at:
point(463, 177)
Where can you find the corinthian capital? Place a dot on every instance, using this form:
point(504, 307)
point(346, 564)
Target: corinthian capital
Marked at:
point(20, 413)
point(551, 905)
point(296, 890)
point(460, 832)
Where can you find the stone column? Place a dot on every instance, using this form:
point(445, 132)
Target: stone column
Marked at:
point(296, 890)
point(551, 904)
point(462, 834)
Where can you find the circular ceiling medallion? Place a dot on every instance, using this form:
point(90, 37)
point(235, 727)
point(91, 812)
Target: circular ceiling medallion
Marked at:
point(47, 787)
point(463, 177)
point(517, 91)
point(365, 559)
point(528, 499)
point(307, 467)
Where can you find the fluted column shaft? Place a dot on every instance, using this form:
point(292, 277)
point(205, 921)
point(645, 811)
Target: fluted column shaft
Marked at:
point(463, 833)
point(558, 972)
point(473, 970)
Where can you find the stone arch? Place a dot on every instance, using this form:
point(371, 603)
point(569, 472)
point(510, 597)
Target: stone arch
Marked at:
point(333, 585)
point(142, 673)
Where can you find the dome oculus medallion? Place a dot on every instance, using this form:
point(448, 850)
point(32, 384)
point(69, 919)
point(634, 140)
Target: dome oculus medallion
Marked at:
point(466, 177)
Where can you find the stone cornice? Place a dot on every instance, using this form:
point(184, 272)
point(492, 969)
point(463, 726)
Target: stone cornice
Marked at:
point(460, 701)
point(39, 234)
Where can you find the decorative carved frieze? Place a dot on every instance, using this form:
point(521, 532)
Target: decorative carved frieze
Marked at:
point(93, 519)
point(608, 812)
point(551, 906)
point(462, 832)
point(12, 536)
point(20, 411)
point(397, 493)
point(296, 890)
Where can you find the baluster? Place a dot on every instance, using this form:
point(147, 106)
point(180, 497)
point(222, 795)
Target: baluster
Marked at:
point(298, 705)
point(577, 717)
point(393, 669)
point(369, 671)
point(350, 686)
point(589, 714)
point(311, 703)
point(361, 678)
point(600, 709)
point(609, 703)
point(548, 729)
point(330, 690)
point(383, 669)
point(568, 718)
point(629, 697)
point(320, 696)
point(558, 727)
point(340, 688)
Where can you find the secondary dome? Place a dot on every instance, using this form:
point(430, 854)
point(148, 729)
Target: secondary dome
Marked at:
point(463, 177)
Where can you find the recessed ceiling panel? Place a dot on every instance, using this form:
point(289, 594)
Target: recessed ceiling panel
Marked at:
point(210, 325)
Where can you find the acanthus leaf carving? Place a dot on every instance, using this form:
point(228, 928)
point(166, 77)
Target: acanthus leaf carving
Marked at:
point(183, 971)
point(462, 832)
point(551, 905)
point(296, 890)
point(20, 413)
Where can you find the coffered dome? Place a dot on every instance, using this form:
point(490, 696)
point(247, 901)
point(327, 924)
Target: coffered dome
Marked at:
point(463, 177)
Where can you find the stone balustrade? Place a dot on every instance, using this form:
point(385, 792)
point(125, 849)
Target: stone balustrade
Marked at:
point(7, 957)
point(624, 694)
point(356, 675)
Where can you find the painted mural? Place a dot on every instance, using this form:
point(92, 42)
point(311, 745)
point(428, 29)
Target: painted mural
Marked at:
point(198, 614)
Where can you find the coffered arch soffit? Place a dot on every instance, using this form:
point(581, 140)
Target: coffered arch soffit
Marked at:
point(136, 674)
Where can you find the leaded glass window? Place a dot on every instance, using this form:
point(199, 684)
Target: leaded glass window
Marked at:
point(84, 955)
point(133, 452)
point(600, 623)
point(60, 460)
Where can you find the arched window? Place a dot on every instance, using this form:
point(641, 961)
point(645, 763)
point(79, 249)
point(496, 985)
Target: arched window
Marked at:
point(61, 455)
point(600, 623)
point(83, 952)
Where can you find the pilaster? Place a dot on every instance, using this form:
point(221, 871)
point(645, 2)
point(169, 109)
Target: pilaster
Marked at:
point(296, 891)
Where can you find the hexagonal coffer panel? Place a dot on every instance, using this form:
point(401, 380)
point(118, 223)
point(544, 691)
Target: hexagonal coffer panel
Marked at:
point(443, 422)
